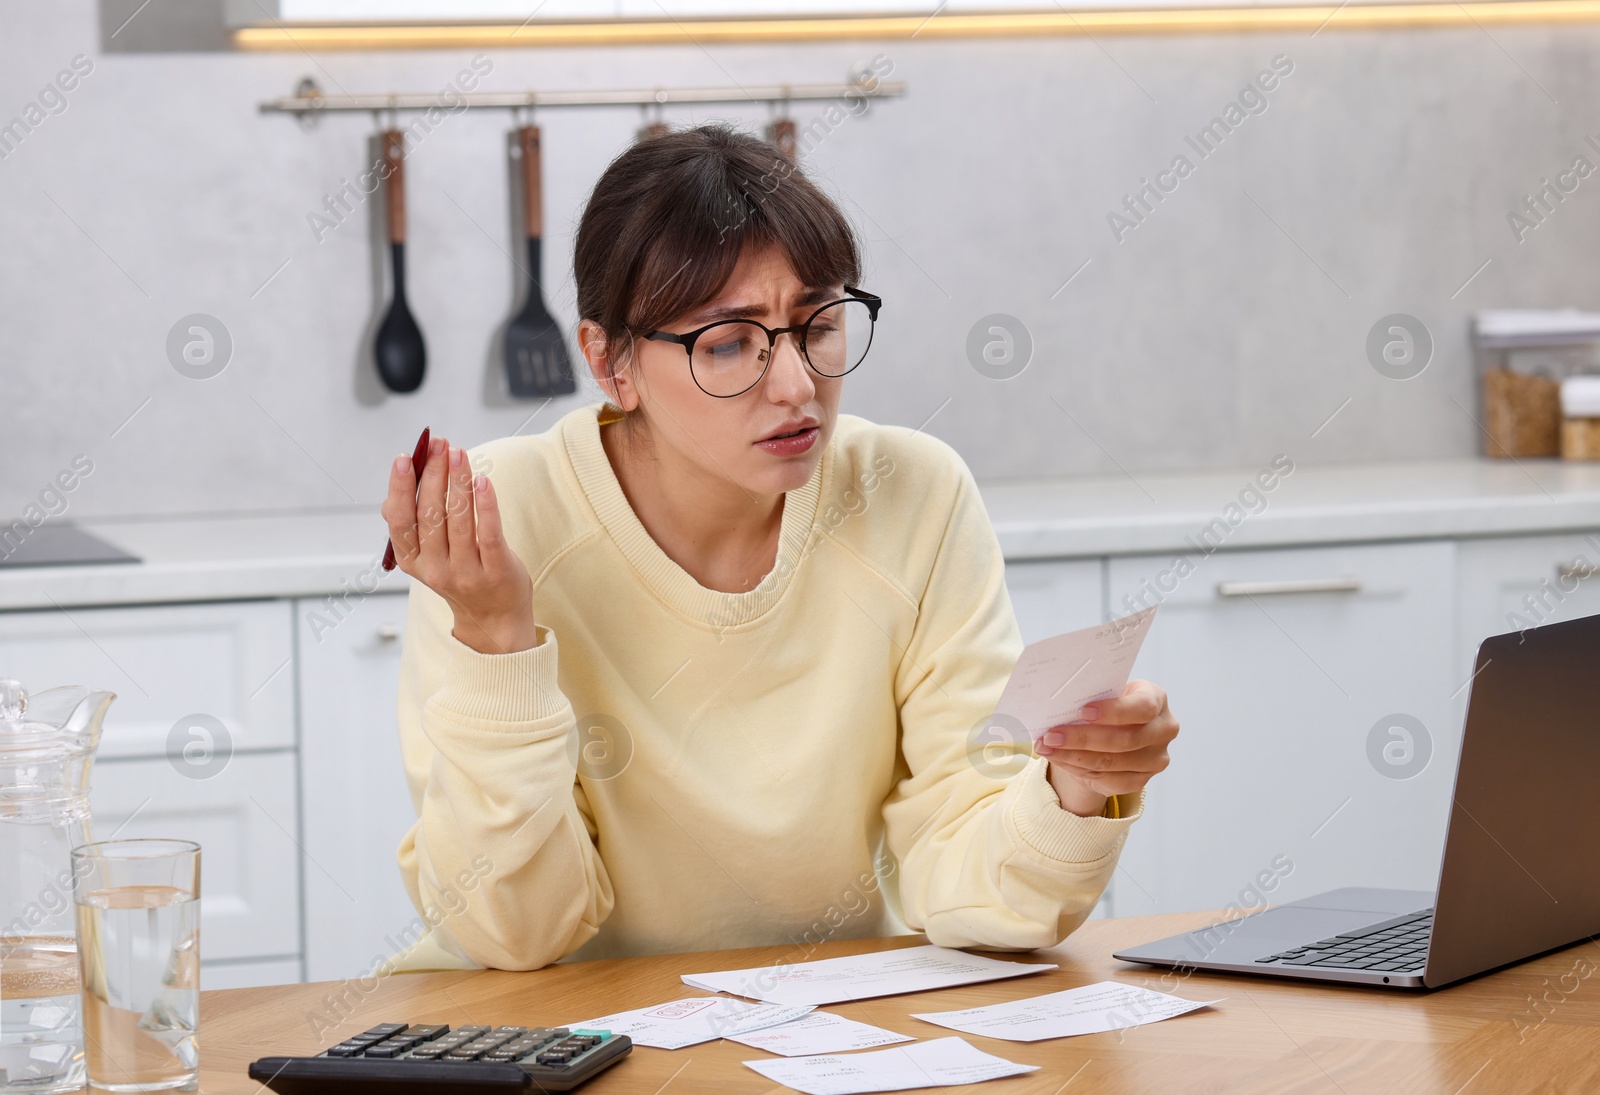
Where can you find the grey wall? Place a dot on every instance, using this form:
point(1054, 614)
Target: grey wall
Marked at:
point(1224, 329)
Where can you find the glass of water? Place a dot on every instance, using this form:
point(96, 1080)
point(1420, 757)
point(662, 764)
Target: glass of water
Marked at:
point(138, 904)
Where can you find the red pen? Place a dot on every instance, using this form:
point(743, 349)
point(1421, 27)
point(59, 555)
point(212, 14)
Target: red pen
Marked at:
point(419, 460)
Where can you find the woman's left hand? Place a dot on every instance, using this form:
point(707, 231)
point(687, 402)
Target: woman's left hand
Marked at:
point(1117, 747)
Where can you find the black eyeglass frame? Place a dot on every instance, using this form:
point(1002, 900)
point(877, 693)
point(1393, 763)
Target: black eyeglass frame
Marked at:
point(688, 338)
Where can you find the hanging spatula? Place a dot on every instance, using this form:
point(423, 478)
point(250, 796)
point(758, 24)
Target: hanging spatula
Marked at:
point(537, 364)
point(401, 355)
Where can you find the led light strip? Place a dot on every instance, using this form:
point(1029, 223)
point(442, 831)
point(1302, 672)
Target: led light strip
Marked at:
point(1144, 21)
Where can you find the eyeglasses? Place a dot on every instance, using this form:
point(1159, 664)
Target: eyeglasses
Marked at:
point(729, 357)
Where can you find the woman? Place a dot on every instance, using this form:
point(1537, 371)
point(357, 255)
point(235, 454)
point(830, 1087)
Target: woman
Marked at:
point(711, 673)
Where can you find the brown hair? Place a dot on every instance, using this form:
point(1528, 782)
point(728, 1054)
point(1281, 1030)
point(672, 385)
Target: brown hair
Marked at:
point(670, 217)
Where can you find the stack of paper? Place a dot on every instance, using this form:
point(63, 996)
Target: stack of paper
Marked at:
point(819, 1032)
point(862, 976)
point(943, 1062)
point(1091, 1009)
point(811, 1041)
point(691, 1021)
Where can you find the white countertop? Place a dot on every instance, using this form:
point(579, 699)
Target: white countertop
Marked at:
point(222, 558)
point(318, 553)
point(1344, 503)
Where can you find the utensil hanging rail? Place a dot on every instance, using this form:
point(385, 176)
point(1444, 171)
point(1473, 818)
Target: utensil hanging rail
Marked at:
point(310, 100)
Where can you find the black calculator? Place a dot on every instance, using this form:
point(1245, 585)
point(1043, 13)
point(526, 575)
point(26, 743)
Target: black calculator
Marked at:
point(407, 1057)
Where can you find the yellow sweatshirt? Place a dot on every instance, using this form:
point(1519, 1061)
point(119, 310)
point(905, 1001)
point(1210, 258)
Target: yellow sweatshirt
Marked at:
point(676, 768)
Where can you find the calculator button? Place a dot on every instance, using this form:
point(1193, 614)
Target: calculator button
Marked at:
point(345, 1051)
point(384, 1049)
point(426, 1032)
point(383, 1030)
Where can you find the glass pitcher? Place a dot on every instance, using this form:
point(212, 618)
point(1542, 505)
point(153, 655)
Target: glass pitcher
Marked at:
point(47, 742)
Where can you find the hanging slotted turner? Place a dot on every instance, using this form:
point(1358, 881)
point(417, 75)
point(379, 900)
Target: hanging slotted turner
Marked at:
point(537, 364)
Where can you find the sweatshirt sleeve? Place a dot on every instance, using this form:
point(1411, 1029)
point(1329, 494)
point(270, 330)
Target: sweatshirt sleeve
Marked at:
point(502, 860)
point(987, 855)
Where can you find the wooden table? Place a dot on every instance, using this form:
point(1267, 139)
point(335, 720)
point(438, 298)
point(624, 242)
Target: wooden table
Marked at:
point(1480, 1037)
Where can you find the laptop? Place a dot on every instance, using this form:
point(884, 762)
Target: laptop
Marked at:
point(1521, 868)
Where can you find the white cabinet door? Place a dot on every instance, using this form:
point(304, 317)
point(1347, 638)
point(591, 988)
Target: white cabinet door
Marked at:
point(249, 975)
point(1511, 583)
point(1518, 582)
point(1317, 725)
point(357, 806)
point(1055, 595)
point(228, 662)
point(243, 818)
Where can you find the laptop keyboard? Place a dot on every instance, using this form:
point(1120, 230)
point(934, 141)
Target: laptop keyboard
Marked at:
point(1396, 945)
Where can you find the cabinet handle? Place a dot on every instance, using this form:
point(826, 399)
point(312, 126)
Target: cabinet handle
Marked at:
point(1303, 585)
point(388, 633)
point(1576, 572)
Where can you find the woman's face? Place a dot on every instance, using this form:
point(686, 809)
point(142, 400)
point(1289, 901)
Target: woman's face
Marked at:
point(720, 435)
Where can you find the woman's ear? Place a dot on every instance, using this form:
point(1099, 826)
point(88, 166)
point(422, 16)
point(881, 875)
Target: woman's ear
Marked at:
point(607, 364)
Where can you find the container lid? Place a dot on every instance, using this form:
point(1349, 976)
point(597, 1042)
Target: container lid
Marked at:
point(1580, 397)
point(1509, 328)
point(19, 733)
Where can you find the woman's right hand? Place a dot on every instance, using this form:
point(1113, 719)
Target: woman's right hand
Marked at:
point(457, 549)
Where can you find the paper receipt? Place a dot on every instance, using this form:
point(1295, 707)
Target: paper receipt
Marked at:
point(1056, 677)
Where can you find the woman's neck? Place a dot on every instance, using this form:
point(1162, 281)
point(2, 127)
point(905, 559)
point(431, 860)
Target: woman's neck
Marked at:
point(721, 535)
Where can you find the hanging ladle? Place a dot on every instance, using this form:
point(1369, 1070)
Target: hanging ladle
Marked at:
point(398, 348)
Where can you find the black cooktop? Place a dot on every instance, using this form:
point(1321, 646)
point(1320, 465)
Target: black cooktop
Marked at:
point(56, 545)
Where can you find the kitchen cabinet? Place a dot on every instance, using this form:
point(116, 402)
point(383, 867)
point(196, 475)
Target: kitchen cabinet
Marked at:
point(225, 781)
point(1301, 675)
point(243, 816)
point(228, 660)
point(249, 975)
point(1313, 687)
point(1512, 583)
point(357, 805)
